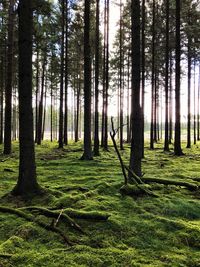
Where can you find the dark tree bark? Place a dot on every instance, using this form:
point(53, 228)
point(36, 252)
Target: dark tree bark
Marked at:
point(1, 97)
point(177, 142)
point(136, 142)
point(96, 128)
point(189, 96)
point(143, 69)
point(27, 182)
point(66, 76)
point(198, 103)
point(105, 145)
point(170, 101)
point(153, 81)
point(166, 144)
point(9, 81)
point(60, 138)
point(195, 137)
point(120, 81)
point(87, 155)
point(41, 104)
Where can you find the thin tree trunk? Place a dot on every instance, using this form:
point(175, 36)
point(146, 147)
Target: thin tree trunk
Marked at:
point(96, 130)
point(177, 143)
point(189, 97)
point(66, 77)
point(143, 70)
point(87, 155)
point(152, 81)
point(9, 81)
point(166, 144)
point(60, 138)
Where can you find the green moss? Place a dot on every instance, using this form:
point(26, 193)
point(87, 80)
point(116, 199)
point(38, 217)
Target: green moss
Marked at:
point(142, 231)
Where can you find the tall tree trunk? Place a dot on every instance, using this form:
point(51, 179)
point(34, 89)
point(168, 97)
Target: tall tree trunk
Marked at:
point(152, 81)
point(177, 143)
point(96, 130)
point(136, 142)
point(166, 144)
point(66, 77)
point(198, 103)
point(87, 155)
point(143, 70)
point(105, 146)
point(195, 138)
point(41, 104)
point(9, 81)
point(189, 97)
point(60, 138)
point(120, 81)
point(170, 100)
point(27, 183)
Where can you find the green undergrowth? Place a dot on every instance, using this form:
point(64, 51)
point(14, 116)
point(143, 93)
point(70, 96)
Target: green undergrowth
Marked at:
point(141, 231)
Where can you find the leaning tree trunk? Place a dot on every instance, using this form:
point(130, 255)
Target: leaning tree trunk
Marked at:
point(27, 182)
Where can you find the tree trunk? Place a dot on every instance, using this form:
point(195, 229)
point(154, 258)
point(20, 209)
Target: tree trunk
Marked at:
point(87, 155)
point(177, 143)
point(60, 138)
point(96, 129)
point(166, 144)
point(9, 81)
point(66, 77)
point(27, 182)
point(152, 81)
point(143, 69)
point(189, 97)
point(136, 142)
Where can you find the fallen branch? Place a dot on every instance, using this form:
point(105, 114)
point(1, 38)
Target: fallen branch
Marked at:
point(112, 135)
point(31, 218)
point(55, 214)
point(97, 216)
point(190, 186)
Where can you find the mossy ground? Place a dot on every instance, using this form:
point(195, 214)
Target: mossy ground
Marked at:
point(143, 231)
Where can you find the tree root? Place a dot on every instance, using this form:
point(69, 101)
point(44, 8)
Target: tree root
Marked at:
point(190, 186)
point(32, 218)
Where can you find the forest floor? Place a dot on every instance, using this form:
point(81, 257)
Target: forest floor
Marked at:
point(141, 231)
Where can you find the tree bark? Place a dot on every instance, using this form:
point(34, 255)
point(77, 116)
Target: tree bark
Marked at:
point(87, 155)
point(27, 182)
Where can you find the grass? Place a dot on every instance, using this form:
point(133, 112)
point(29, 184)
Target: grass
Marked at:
point(143, 231)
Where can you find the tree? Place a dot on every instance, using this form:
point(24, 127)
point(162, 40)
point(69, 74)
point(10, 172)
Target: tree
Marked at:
point(60, 140)
point(136, 140)
point(177, 142)
point(96, 130)
point(9, 81)
point(166, 145)
point(27, 182)
point(87, 155)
